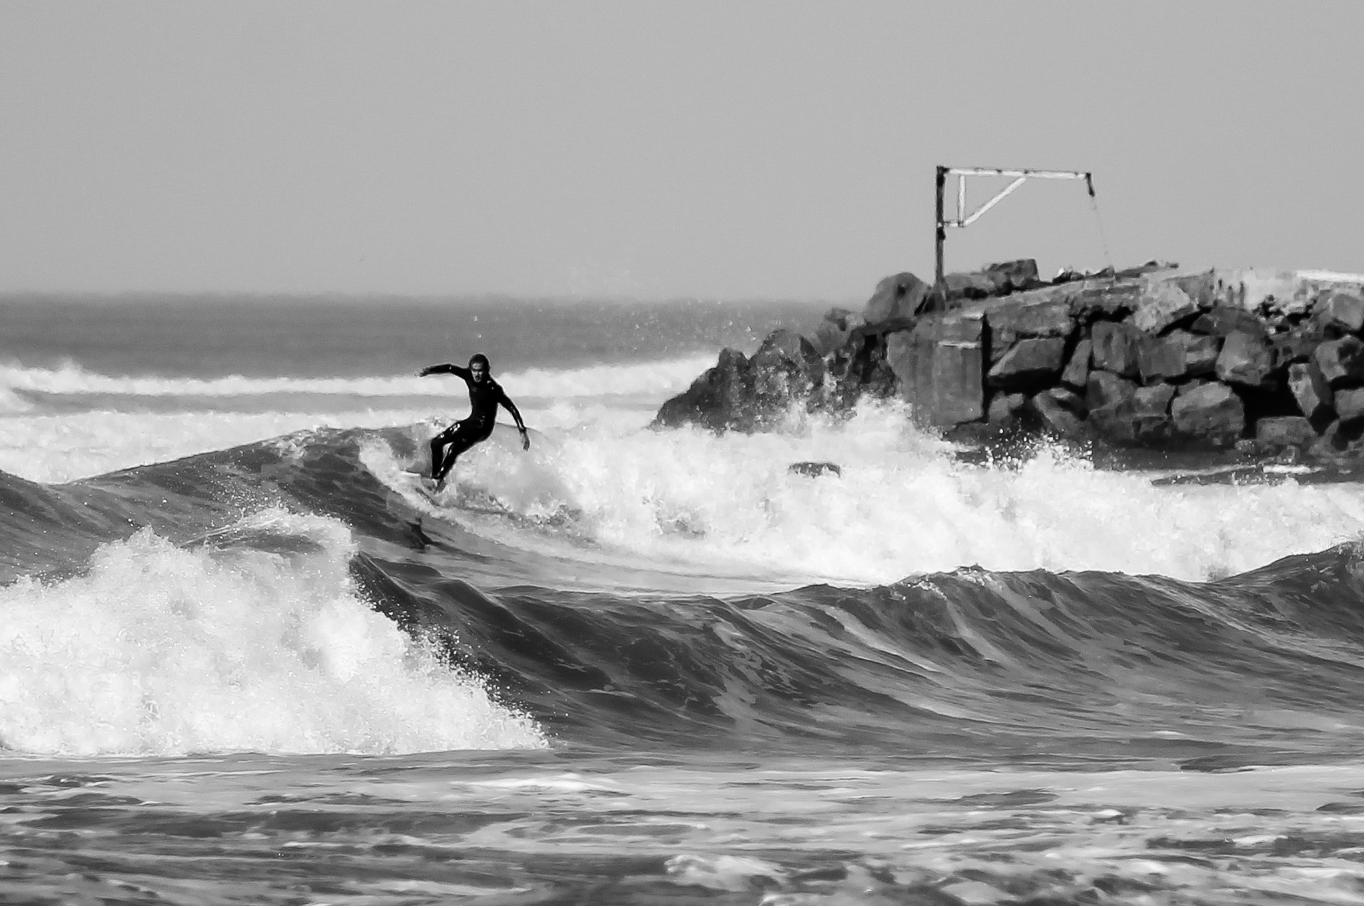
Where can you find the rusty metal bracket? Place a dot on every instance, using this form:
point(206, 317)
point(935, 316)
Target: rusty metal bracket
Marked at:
point(963, 220)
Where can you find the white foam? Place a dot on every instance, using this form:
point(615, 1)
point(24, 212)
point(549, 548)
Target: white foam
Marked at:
point(163, 650)
point(657, 378)
point(727, 873)
point(48, 447)
point(678, 498)
point(901, 505)
point(63, 447)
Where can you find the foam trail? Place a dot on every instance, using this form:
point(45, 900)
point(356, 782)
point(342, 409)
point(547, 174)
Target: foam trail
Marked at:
point(163, 650)
point(657, 378)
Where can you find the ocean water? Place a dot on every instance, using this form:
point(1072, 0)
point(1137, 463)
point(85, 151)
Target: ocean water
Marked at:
point(244, 658)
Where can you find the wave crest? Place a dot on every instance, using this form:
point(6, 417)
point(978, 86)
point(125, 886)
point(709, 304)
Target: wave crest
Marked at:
point(262, 645)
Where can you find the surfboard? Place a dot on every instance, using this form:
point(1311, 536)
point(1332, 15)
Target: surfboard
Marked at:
point(426, 486)
point(469, 498)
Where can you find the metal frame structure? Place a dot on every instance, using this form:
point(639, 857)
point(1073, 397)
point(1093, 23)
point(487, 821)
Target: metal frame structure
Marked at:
point(963, 220)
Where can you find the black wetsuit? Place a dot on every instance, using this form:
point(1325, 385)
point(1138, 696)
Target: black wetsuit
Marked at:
point(485, 396)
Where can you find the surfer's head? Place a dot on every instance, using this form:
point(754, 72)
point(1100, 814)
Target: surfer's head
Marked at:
point(479, 366)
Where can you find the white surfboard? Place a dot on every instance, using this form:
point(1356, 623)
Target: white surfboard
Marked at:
point(452, 496)
point(426, 486)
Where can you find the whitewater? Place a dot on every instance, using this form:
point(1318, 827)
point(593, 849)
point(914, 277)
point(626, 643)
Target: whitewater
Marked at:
point(244, 658)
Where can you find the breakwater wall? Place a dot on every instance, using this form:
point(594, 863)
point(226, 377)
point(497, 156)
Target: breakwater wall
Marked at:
point(1257, 362)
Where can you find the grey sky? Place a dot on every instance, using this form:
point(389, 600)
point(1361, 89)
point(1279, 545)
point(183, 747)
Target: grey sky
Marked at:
point(717, 149)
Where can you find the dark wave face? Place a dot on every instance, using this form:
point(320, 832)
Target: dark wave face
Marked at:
point(597, 652)
point(1039, 663)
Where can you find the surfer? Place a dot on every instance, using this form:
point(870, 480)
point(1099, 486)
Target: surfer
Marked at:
point(485, 396)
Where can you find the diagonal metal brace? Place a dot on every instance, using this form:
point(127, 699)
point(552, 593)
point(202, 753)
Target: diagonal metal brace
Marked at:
point(964, 219)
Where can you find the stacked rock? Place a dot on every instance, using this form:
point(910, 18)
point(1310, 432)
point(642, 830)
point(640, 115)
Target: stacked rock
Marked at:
point(749, 394)
point(1149, 357)
point(1178, 361)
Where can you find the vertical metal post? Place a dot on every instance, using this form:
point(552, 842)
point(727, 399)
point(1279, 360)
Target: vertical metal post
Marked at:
point(940, 173)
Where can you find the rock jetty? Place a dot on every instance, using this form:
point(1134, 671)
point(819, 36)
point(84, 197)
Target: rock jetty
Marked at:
point(1242, 361)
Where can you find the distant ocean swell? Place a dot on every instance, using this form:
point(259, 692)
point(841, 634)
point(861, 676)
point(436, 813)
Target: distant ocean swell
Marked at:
point(68, 421)
point(295, 596)
point(18, 382)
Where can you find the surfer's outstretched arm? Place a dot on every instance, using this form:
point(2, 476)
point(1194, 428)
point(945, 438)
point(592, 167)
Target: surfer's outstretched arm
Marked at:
point(451, 368)
point(516, 417)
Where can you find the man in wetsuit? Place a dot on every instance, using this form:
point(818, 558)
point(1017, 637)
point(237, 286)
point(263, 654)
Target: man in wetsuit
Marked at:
point(485, 396)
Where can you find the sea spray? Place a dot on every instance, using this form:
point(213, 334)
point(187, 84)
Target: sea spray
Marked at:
point(903, 504)
point(159, 649)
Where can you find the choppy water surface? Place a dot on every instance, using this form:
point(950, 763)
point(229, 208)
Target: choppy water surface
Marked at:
point(578, 826)
point(244, 657)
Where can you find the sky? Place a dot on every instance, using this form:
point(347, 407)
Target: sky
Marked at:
point(657, 149)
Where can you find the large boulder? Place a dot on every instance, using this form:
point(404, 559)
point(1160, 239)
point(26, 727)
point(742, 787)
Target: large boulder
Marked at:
point(899, 296)
point(1295, 344)
point(1337, 439)
point(1163, 358)
point(1171, 357)
point(1340, 361)
point(1347, 403)
point(859, 368)
point(1010, 321)
point(969, 285)
point(834, 330)
point(1245, 359)
point(1010, 277)
point(1210, 414)
point(938, 366)
point(1078, 365)
point(1109, 301)
point(1114, 348)
point(1201, 350)
point(1311, 391)
point(814, 468)
point(1224, 320)
point(718, 399)
point(1163, 305)
point(1276, 432)
point(1057, 411)
point(1004, 408)
point(1106, 388)
point(785, 349)
point(1151, 413)
point(1148, 267)
point(1141, 418)
point(785, 368)
point(749, 394)
point(1199, 287)
point(910, 349)
point(1339, 311)
point(1028, 363)
point(1154, 400)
